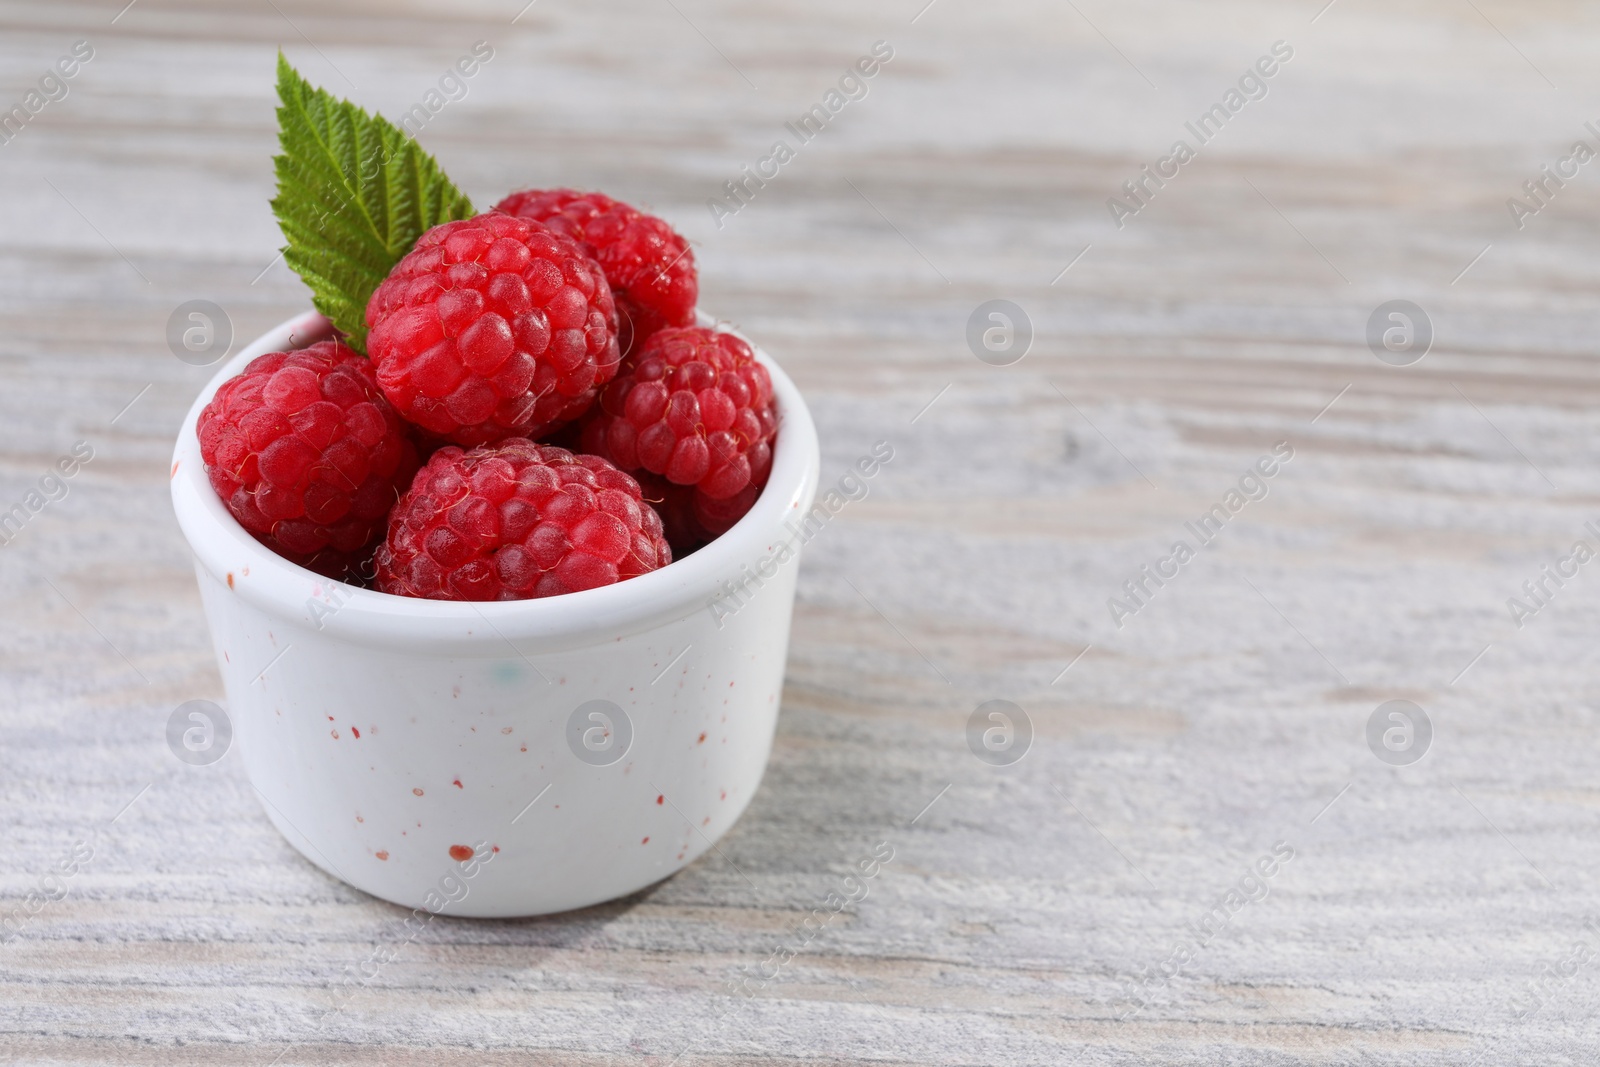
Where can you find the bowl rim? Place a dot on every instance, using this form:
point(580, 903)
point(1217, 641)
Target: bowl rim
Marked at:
point(290, 592)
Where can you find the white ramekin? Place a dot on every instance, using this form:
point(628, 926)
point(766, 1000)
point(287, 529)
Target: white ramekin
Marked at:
point(389, 737)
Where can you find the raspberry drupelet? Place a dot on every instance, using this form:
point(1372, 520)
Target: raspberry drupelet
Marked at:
point(493, 327)
point(650, 266)
point(514, 521)
point(695, 407)
point(307, 454)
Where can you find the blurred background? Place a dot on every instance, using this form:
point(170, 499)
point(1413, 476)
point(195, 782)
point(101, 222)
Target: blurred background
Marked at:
point(1429, 899)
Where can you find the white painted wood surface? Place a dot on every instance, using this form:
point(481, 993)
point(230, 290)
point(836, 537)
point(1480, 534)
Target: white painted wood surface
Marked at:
point(1423, 906)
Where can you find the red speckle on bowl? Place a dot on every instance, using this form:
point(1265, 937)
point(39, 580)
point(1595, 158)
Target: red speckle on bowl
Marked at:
point(494, 848)
point(702, 738)
point(457, 784)
point(174, 473)
point(661, 799)
point(524, 748)
point(382, 854)
point(356, 733)
point(460, 853)
point(330, 718)
point(646, 841)
point(418, 791)
point(335, 734)
point(360, 819)
point(505, 729)
point(230, 579)
point(724, 794)
point(706, 821)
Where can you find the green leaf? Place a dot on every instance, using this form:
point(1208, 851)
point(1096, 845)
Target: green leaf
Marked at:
point(354, 194)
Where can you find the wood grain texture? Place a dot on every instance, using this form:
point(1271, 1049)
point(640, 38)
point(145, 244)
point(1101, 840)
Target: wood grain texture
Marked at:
point(1425, 908)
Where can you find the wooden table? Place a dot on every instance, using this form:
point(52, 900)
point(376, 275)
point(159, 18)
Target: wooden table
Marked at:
point(1069, 907)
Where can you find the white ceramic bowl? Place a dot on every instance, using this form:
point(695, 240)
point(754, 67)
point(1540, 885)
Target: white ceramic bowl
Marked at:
point(572, 749)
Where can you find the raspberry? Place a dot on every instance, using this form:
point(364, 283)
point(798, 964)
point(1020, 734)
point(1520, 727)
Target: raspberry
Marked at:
point(694, 406)
point(675, 505)
point(493, 327)
point(688, 518)
point(650, 267)
point(308, 455)
point(517, 520)
point(717, 517)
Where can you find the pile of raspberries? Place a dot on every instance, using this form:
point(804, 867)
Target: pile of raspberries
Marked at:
point(539, 415)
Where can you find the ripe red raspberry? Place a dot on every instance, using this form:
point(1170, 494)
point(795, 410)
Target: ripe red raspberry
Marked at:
point(688, 518)
point(517, 520)
point(493, 327)
point(308, 455)
point(675, 505)
point(695, 407)
point(650, 267)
